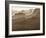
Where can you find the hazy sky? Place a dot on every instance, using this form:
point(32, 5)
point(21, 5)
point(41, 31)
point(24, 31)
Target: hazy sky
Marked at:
point(21, 8)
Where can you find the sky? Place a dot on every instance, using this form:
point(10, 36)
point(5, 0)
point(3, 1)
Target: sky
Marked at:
point(21, 8)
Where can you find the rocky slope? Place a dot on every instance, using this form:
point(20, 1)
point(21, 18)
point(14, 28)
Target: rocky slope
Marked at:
point(20, 22)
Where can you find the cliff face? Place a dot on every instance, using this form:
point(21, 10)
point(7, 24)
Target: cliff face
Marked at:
point(20, 22)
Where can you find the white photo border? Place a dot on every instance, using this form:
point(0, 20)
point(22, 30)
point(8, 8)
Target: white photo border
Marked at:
point(30, 31)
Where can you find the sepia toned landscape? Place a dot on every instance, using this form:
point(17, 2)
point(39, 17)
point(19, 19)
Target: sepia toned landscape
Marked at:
point(25, 19)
